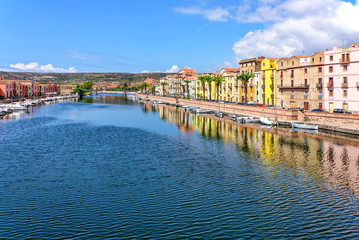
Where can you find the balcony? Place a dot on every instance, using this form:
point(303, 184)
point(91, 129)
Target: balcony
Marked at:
point(319, 85)
point(263, 95)
point(271, 86)
point(263, 86)
point(294, 86)
point(272, 96)
point(344, 85)
point(344, 60)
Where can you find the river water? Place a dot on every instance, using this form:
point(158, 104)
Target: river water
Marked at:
point(108, 167)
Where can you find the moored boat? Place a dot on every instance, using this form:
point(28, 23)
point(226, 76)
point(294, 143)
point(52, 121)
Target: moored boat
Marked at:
point(304, 126)
point(267, 121)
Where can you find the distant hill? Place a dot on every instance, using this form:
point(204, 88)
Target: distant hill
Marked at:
point(97, 78)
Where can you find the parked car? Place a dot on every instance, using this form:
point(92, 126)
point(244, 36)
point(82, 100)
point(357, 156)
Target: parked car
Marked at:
point(340, 110)
point(317, 110)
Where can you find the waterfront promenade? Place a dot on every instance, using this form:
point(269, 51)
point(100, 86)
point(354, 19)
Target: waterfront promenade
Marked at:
point(343, 123)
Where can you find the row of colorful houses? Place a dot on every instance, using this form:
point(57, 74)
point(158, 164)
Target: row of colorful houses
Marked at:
point(20, 89)
point(323, 80)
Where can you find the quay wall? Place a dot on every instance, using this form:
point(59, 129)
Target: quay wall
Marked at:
point(276, 114)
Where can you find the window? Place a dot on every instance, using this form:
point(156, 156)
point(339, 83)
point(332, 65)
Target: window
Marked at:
point(292, 95)
point(331, 58)
point(306, 71)
point(320, 80)
point(305, 82)
point(292, 74)
point(331, 83)
point(345, 68)
point(320, 95)
point(320, 69)
point(305, 94)
point(330, 93)
point(271, 66)
point(320, 59)
point(292, 62)
point(345, 93)
point(312, 59)
point(292, 83)
point(345, 80)
point(281, 64)
point(331, 69)
point(264, 64)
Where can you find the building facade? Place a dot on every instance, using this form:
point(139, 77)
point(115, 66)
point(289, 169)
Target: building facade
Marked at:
point(341, 78)
point(299, 82)
point(268, 84)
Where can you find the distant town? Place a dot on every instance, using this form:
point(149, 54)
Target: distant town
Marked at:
point(324, 81)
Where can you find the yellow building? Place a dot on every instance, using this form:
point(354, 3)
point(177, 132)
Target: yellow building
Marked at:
point(229, 90)
point(268, 78)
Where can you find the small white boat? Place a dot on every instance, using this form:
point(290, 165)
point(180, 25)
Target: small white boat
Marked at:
point(203, 111)
point(219, 114)
point(304, 126)
point(18, 107)
point(267, 121)
point(232, 117)
point(303, 130)
point(251, 120)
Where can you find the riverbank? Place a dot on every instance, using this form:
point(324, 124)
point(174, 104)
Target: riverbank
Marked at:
point(329, 122)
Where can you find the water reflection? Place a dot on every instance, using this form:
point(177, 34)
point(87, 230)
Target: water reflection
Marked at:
point(334, 159)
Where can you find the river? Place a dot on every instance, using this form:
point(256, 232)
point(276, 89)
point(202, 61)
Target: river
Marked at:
point(109, 167)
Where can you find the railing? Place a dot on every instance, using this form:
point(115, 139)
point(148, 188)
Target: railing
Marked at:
point(290, 86)
point(319, 85)
point(344, 85)
point(344, 60)
point(330, 86)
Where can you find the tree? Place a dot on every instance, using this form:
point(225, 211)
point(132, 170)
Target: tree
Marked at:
point(125, 86)
point(145, 85)
point(163, 84)
point(202, 79)
point(183, 88)
point(87, 85)
point(218, 80)
point(209, 80)
point(153, 89)
point(187, 86)
point(244, 78)
point(79, 91)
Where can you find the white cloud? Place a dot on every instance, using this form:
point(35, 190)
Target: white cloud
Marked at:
point(212, 14)
point(34, 66)
point(306, 25)
point(173, 69)
point(145, 71)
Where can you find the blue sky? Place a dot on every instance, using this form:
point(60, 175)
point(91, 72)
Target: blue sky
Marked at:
point(141, 35)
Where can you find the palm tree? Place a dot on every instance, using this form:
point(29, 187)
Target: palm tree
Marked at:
point(183, 88)
point(218, 80)
point(244, 78)
point(163, 84)
point(153, 89)
point(141, 87)
point(145, 85)
point(209, 80)
point(187, 86)
point(203, 80)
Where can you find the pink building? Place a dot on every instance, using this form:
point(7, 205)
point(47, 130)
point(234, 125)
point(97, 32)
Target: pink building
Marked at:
point(341, 78)
point(7, 89)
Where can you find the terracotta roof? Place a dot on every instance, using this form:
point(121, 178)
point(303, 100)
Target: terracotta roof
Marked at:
point(300, 56)
point(229, 69)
